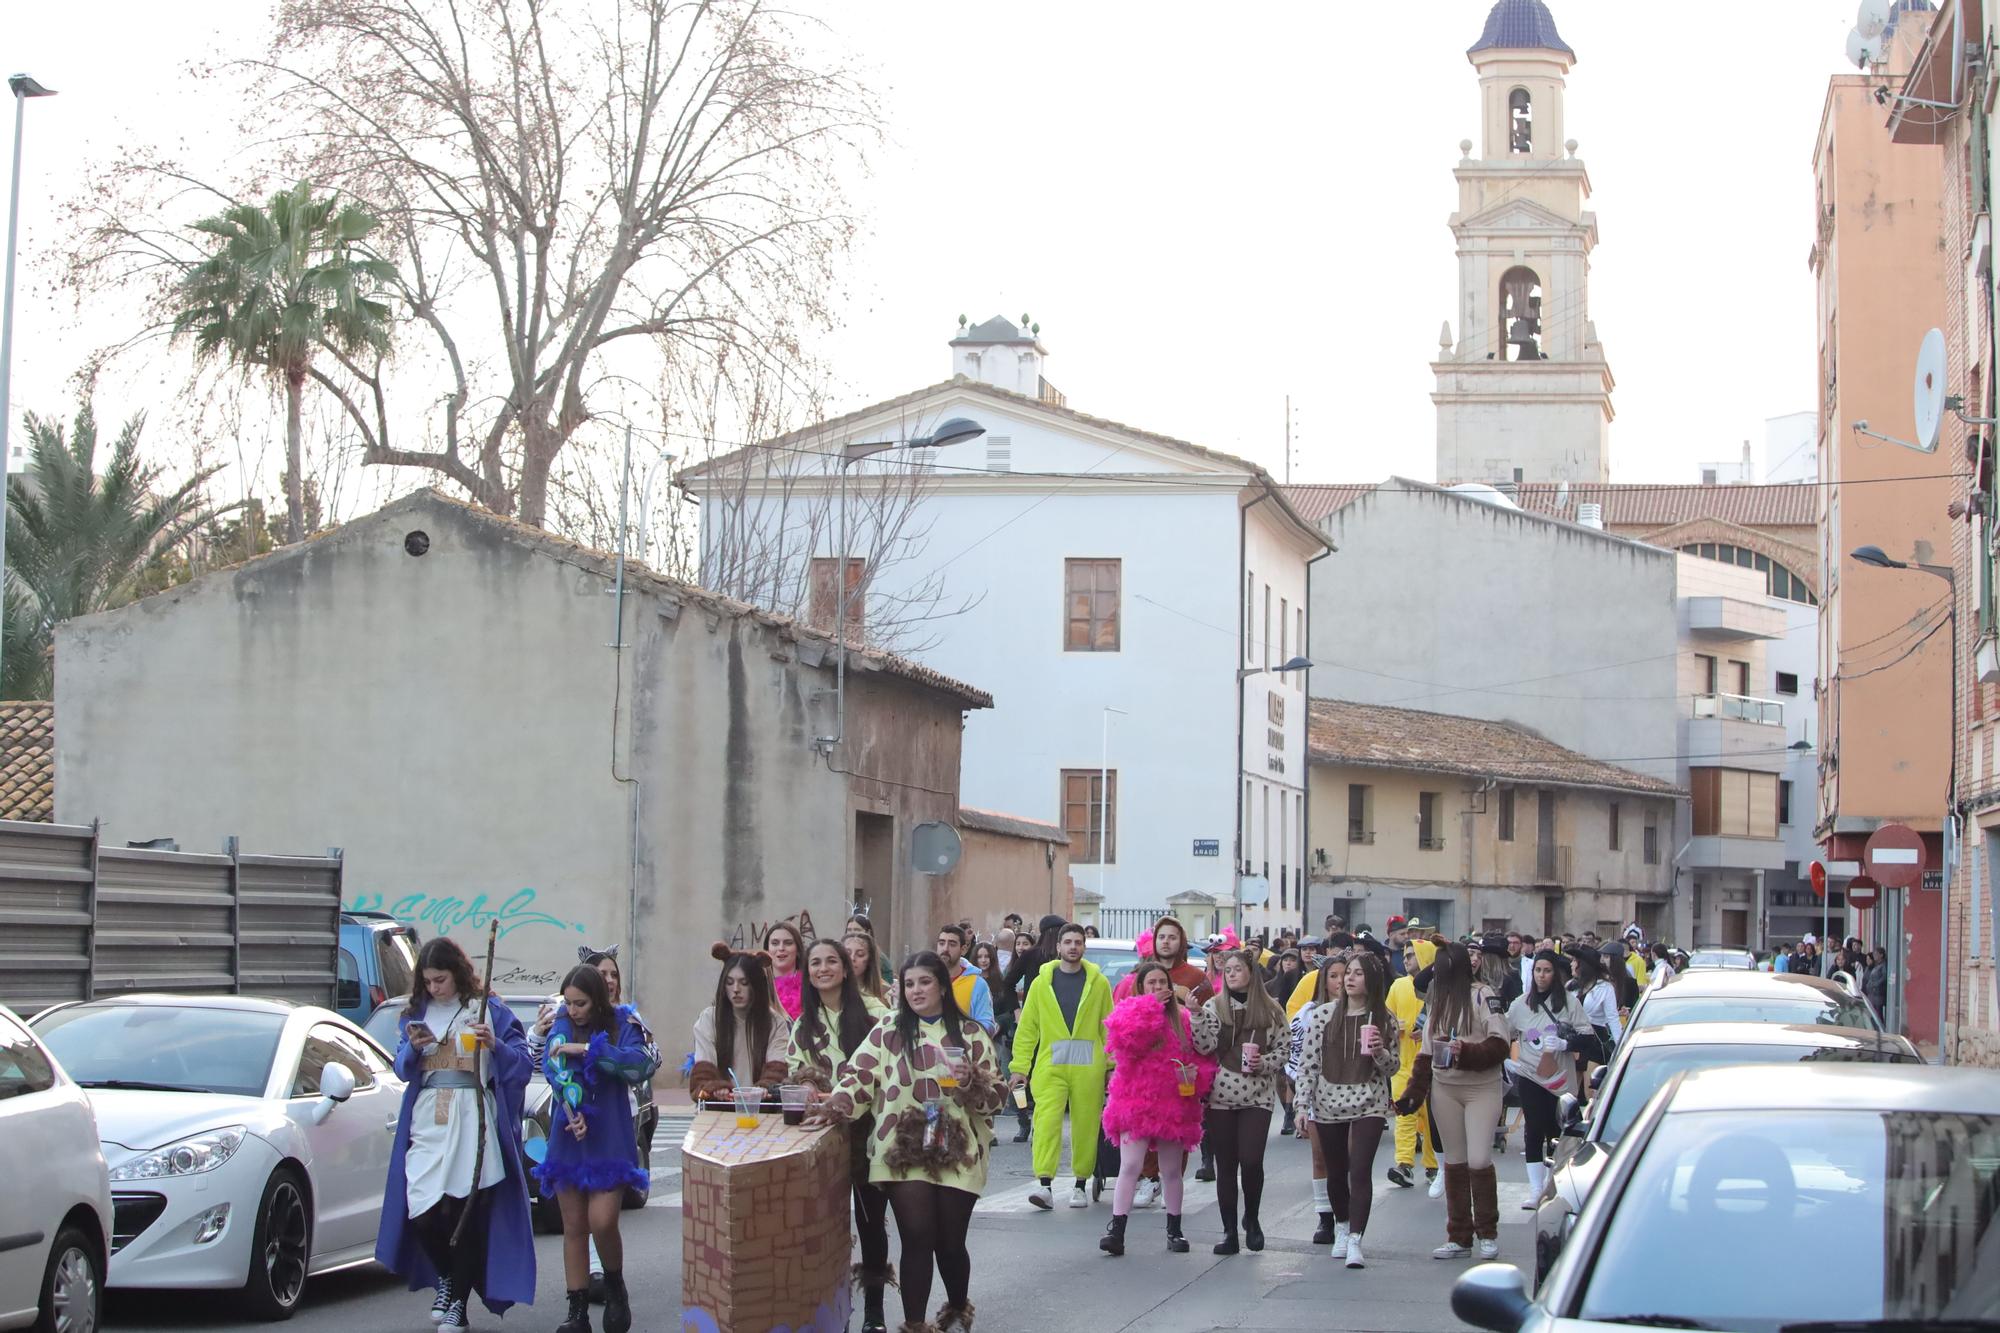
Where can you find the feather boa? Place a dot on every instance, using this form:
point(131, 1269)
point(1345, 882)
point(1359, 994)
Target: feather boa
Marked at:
point(789, 991)
point(1145, 1099)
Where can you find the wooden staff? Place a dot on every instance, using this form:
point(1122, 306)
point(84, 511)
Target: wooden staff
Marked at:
point(479, 1089)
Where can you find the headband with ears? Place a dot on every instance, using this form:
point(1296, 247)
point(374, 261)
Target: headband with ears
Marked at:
point(584, 953)
point(721, 953)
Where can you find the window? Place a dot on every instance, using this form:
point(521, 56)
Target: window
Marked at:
point(1090, 816)
point(823, 609)
point(328, 1045)
point(1784, 801)
point(1613, 843)
point(1284, 630)
point(347, 987)
point(1780, 581)
point(1264, 658)
point(1739, 677)
point(1090, 600)
point(23, 1067)
point(1732, 803)
point(1428, 836)
point(1704, 674)
point(1265, 860)
point(1299, 677)
point(1652, 847)
point(1360, 812)
point(1520, 122)
point(1249, 616)
point(1244, 848)
point(1507, 815)
point(1284, 846)
point(1521, 315)
point(1788, 682)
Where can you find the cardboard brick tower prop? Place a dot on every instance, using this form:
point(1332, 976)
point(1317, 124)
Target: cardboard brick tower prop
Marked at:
point(764, 1227)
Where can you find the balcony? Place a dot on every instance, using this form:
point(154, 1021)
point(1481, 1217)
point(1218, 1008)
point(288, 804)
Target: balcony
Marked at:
point(1737, 731)
point(1733, 619)
point(1740, 708)
point(1730, 853)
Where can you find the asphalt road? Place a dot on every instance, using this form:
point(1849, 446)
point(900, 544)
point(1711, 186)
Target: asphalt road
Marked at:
point(1032, 1271)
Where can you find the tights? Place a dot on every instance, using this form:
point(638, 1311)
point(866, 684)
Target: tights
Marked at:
point(1238, 1138)
point(871, 1220)
point(1173, 1161)
point(464, 1263)
point(1541, 1116)
point(1349, 1148)
point(932, 1220)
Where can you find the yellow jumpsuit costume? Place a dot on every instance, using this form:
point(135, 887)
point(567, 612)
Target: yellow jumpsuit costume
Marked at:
point(1406, 1005)
point(1067, 1069)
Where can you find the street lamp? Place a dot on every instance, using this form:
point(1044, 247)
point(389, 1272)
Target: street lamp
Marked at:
point(23, 88)
point(956, 430)
point(1296, 664)
point(1876, 557)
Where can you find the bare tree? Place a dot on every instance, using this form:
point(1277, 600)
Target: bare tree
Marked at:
point(570, 192)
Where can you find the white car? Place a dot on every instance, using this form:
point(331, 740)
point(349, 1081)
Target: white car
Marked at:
point(248, 1140)
point(55, 1204)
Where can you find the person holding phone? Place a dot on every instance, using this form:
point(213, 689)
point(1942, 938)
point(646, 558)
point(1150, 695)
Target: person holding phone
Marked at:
point(1348, 1056)
point(448, 1058)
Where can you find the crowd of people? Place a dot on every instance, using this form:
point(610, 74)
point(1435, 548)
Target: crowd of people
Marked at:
point(1345, 1038)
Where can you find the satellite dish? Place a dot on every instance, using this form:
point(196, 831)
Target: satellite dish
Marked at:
point(1930, 390)
point(935, 849)
point(1873, 18)
point(1864, 51)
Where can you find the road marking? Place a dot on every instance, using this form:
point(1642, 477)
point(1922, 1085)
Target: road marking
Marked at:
point(1196, 1195)
point(672, 1200)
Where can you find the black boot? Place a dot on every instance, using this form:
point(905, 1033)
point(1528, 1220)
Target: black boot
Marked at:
point(579, 1312)
point(1021, 1135)
point(1227, 1245)
point(1176, 1242)
point(1291, 1122)
point(617, 1303)
point(1207, 1169)
point(872, 1320)
point(1113, 1241)
point(1253, 1234)
point(1324, 1236)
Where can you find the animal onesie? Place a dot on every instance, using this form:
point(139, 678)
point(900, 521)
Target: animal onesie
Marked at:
point(1407, 1005)
point(1064, 1057)
point(818, 1064)
point(710, 1072)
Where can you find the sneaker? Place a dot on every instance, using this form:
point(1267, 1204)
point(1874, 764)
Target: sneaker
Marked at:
point(1147, 1195)
point(1042, 1196)
point(1436, 1190)
point(1355, 1259)
point(454, 1317)
point(443, 1301)
point(1451, 1250)
point(1489, 1249)
point(1079, 1197)
point(1339, 1239)
point(1399, 1176)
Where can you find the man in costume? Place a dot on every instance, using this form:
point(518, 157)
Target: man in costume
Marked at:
point(1059, 1054)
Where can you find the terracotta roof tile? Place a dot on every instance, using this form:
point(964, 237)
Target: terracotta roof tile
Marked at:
point(1377, 736)
point(27, 760)
point(1010, 826)
point(1626, 504)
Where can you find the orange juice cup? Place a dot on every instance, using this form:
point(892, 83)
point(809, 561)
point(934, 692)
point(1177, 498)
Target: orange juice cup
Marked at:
point(952, 1056)
point(468, 1042)
point(748, 1100)
point(1187, 1073)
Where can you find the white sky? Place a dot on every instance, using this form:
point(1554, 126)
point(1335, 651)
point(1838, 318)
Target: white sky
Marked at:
point(1202, 217)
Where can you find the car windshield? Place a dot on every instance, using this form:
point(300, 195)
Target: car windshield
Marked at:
point(1891, 1215)
point(1669, 1010)
point(1115, 960)
point(191, 1049)
point(1724, 958)
point(1647, 1069)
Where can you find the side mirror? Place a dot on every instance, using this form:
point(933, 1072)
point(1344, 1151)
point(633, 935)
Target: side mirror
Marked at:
point(1491, 1296)
point(336, 1085)
point(1570, 1113)
point(1597, 1077)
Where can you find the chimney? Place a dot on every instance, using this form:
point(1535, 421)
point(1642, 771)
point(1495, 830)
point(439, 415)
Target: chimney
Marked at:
point(1591, 516)
point(1001, 353)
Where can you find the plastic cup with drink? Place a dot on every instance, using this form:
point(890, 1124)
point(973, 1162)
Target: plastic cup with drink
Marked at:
point(1187, 1076)
point(1441, 1050)
point(954, 1056)
point(749, 1101)
point(1251, 1057)
point(468, 1043)
point(1370, 1040)
point(792, 1098)
point(1021, 1097)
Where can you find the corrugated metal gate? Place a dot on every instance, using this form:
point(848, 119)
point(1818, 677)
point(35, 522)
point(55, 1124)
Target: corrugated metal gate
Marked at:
point(79, 919)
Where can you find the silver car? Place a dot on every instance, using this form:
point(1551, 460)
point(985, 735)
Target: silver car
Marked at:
point(1727, 995)
point(55, 1206)
point(1834, 1199)
point(248, 1139)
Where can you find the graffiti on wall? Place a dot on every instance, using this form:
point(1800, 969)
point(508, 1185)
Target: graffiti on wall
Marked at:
point(440, 914)
point(750, 934)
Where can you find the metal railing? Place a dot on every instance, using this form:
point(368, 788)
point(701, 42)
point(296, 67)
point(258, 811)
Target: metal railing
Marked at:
point(1435, 844)
point(1740, 708)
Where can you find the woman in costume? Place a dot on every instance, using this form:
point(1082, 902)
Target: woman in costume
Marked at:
point(451, 1061)
point(1155, 1099)
point(743, 1031)
point(1245, 1029)
point(1350, 1052)
point(785, 946)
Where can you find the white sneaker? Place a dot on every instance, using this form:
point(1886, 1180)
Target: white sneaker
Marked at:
point(1451, 1250)
point(1436, 1191)
point(1147, 1195)
point(1340, 1234)
point(1489, 1249)
point(1355, 1259)
point(1042, 1196)
point(1079, 1197)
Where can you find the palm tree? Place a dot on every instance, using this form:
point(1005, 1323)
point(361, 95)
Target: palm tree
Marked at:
point(285, 281)
point(77, 542)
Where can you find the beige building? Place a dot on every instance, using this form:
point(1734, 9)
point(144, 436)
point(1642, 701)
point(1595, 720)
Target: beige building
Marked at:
point(1478, 825)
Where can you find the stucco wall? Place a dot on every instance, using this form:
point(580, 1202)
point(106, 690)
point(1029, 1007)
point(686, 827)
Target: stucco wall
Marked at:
point(457, 723)
point(999, 874)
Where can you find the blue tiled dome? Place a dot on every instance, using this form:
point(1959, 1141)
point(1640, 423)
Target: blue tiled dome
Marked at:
point(1520, 25)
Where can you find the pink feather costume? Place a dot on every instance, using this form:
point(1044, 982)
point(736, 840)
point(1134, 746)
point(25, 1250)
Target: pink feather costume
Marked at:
point(1145, 1099)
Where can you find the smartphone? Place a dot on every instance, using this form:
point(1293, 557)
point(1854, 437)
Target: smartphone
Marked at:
point(423, 1028)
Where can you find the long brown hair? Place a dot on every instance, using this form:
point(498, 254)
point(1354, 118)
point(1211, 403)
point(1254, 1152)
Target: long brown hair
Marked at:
point(870, 980)
point(603, 1018)
point(442, 954)
point(759, 1011)
point(798, 942)
point(854, 1017)
point(1186, 943)
point(1450, 997)
point(1376, 992)
point(1263, 1017)
point(1139, 975)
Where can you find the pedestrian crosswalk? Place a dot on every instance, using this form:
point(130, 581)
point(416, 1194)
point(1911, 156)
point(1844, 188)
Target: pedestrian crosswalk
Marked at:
point(1013, 1198)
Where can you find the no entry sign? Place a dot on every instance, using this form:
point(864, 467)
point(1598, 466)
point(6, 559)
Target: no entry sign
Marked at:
point(1861, 892)
point(1894, 857)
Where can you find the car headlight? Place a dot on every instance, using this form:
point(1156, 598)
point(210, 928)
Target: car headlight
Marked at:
point(189, 1157)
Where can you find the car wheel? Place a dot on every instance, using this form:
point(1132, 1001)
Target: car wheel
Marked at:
point(73, 1287)
point(280, 1249)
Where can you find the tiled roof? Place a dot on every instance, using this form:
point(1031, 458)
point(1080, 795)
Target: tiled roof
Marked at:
point(1520, 25)
point(1009, 826)
point(1377, 736)
point(27, 760)
point(1644, 505)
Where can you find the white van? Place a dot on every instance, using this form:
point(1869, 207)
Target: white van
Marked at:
point(55, 1212)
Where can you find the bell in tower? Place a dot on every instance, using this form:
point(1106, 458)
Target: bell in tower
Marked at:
point(1521, 121)
point(1521, 314)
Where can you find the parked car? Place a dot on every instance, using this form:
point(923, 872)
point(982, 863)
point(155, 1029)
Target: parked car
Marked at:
point(248, 1140)
point(1644, 1062)
point(1114, 958)
point(1741, 959)
point(1839, 1197)
point(1730, 996)
point(378, 963)
point(55, 1205)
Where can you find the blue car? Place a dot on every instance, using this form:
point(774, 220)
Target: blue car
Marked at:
point(378, 962)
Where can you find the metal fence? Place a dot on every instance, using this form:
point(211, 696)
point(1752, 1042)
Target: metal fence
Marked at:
point(79, 920)
point(1127, 923)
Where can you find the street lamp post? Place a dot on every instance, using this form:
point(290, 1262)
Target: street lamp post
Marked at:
point(956, 430)
point(1876, 557)
point(23, 88)
point(1242, 842)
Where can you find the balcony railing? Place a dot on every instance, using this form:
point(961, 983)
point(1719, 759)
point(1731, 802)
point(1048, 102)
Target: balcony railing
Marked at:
point(1358, 834)
point(1430, 844)
point(1552, 861)
point(1740, 708)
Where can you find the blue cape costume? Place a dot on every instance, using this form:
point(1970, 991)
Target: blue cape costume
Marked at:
point(510, 1238)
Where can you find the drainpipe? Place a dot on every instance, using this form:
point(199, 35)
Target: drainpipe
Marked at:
point(1305, 824)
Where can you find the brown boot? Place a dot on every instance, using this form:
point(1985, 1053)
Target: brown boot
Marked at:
point(913, 1326)
point(1485, 1185)
point(954, 1318)
point(1458, 1204)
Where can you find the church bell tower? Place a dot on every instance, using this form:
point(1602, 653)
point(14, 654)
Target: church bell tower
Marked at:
point(1524, 392)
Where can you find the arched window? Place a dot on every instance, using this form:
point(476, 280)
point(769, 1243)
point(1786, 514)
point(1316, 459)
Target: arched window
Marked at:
point(1521, 315)
point(1779, 581)
point(1520, 122)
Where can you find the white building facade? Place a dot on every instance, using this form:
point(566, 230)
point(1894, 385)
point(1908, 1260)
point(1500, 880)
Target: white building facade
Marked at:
point(1128, 596)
